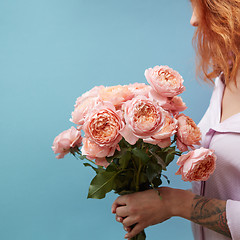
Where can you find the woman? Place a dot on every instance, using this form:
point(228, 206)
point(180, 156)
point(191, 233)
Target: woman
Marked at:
point(212, 206)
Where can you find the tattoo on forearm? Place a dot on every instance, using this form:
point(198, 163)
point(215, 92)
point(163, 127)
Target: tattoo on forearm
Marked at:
point(210, 213)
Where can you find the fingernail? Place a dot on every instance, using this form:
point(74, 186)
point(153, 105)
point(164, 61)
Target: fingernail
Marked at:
point(119, 219)
point(126, 236)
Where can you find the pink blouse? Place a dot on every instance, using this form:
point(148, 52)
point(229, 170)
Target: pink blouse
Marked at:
point(224, 183)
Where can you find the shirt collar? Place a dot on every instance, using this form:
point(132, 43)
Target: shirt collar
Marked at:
point(231, 124)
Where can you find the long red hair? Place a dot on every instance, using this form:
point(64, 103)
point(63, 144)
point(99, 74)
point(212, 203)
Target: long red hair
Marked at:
point(217, 38)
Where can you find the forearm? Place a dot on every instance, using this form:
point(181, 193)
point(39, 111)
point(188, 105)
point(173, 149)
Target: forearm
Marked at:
point(135, 210)
point(210, 213)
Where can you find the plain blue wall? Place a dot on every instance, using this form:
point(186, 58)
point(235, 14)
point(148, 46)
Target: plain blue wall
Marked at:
point(52, 51)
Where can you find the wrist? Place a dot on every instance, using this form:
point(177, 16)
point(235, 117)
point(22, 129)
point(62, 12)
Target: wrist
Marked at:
point(178, 201)
point(183, 203)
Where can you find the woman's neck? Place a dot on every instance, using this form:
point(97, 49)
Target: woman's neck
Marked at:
point(231, 99)
point(233, 86)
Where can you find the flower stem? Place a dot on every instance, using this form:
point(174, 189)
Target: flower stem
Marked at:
point(140, 236)
point(86, 159)
point(134, 164)
point(92, 161)
point(138, 176)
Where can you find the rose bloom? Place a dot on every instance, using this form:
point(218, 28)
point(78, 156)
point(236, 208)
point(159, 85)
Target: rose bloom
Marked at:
point(82, 109)
point(163, 137)
point(84, 104)
point(188, 133)
point(154, 96)
point(144, 119)
point(66, 141)
point(102, 125)
point(165, 81)
point(139, 89)
point(174, 105)
point(197, 165)
point(117, 95)
point(93, 151)
point(92, 93)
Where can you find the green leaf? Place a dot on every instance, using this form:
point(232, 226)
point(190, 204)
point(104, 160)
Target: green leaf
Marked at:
point(117, 154)
point(89, 165)
point(100, 169)
point(124, 160)
point(112, 167)
point(82, 157)
point(141, 154)
point(77, 154)
point(124, 144)
point(109, 159)
point(101, 184)
point(116, 161)
point(166, 149)
point(143, 178)
point(124, 192)
point(154, 148)
point(159, 160)
point(156, 182)
point(169, 158)
point(153, 170)
point(171, 149)
point(123, 180)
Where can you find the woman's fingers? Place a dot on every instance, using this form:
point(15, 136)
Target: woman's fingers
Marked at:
point(129, 221)
point(120, 201)
point(127, 229)
point(122, 211)
point(119, 219)
point(134, 231)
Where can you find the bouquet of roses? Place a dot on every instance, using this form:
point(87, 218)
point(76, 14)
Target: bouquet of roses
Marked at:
point(132, 133)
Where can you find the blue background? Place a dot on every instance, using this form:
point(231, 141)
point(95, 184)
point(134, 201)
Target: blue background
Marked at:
point(51, 52)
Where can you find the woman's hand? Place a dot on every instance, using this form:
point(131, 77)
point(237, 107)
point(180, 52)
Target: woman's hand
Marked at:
point(139, 210)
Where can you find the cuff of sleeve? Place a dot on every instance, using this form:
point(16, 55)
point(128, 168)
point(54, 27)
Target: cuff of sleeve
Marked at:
point(232, 215)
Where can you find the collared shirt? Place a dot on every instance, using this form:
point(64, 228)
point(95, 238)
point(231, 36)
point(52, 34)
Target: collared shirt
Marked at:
point(224, 183)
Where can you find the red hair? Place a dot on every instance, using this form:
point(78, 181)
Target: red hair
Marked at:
point(217, 38)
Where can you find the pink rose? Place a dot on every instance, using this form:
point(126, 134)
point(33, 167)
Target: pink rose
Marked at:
point(82, 109)
point(84, 104)
point(197, 165)
point(140, 89)
point(163, 137)
point(144, 119)
point(103, 124)
point(102, 162)
point(93, 93)
point(66, 141)
point(165, 81)
point(188, 133)
point(154, 96)
point(117, 95)
point(174, 105)
point(93, 151)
